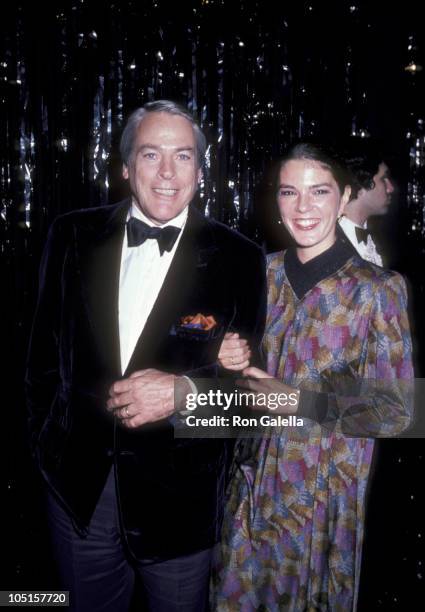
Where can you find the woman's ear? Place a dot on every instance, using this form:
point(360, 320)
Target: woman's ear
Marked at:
point(344, 200)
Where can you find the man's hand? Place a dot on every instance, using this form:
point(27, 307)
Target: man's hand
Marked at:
point(257, 381)
point(234, 352)
point(146, 396)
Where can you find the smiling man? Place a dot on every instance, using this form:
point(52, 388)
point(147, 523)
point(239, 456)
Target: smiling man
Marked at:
point(117, 284)
point(162, 165)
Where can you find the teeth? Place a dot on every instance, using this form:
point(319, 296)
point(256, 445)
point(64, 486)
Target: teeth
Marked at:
point(167, 192)
point(306, 222)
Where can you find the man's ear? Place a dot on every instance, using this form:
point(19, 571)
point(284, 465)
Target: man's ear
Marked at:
point(125, 171)
point(344, 200)
point(200, 175)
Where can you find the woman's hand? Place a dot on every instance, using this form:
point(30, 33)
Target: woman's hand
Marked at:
point(234, 352)
point(279, 397)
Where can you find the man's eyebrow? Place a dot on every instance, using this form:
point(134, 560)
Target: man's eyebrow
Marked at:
point(148, 145)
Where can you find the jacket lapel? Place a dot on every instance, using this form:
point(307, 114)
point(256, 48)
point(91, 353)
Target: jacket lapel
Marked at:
point(101, 259)
point(193, 252)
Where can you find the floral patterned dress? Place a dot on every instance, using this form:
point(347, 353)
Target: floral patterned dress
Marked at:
point(293, 528)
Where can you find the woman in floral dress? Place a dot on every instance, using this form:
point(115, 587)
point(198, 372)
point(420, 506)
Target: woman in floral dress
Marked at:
point(337, 335)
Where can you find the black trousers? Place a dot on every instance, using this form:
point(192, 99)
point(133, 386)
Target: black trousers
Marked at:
point(100, 576)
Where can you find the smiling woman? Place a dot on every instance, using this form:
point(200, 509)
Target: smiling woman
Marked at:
point(336, 334)
point(310, 199)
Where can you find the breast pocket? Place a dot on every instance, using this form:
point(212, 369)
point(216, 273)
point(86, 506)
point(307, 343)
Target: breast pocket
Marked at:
point(188, 348)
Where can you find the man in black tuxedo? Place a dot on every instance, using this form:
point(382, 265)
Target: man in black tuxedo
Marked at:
point(125, 497)
point(371, 197)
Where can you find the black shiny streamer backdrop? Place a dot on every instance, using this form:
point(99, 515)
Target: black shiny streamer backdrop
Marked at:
point(257, 75)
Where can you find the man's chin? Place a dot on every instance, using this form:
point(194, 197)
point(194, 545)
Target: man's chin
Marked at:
point(381, 213)
point(162, 213)
point(166, 217)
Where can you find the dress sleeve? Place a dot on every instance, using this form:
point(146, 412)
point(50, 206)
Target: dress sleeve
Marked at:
point(380, 402)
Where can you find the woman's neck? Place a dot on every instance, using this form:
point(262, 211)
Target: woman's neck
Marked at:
point(306, 254)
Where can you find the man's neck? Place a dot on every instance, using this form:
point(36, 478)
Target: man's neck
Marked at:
point(356, 215)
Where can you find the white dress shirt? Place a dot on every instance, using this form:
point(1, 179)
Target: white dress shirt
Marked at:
point(367, 251)
point(142, 274)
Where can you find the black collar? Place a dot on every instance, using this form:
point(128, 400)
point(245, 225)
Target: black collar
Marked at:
point(304, 277)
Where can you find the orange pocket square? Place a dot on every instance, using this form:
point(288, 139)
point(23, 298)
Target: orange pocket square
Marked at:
point(198, 321)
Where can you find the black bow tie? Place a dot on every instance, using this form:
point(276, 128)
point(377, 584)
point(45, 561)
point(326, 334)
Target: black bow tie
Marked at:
point(362, 234)
point(138, 232)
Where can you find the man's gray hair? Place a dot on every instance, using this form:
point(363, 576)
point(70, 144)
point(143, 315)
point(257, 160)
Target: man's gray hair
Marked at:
point(159, 106)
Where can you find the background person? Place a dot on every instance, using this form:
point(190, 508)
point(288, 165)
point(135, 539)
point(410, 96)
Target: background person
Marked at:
point(372, 192)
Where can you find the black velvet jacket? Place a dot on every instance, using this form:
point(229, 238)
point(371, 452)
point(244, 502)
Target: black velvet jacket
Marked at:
point(170, 491)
